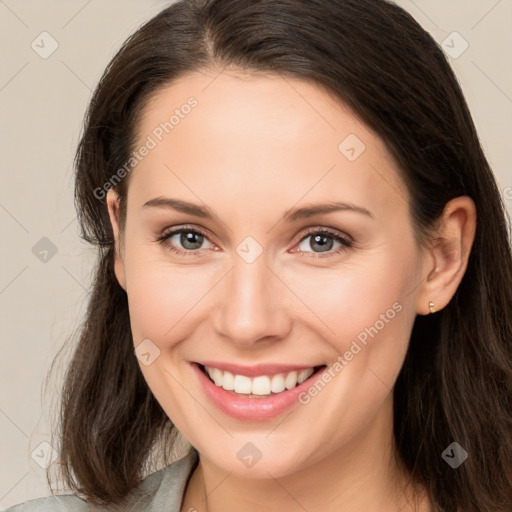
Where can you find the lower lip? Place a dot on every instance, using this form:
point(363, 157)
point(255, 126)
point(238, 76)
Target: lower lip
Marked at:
point(251, 409)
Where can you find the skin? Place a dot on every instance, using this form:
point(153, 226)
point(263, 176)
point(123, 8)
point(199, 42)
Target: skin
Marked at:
point(254, 147)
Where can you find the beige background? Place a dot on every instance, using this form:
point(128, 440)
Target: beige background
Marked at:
point(42, 103)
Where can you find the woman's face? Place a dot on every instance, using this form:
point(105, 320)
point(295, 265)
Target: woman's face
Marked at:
point(267, 280)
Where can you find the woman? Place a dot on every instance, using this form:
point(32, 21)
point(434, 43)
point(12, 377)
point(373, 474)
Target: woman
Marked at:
point(304, 269)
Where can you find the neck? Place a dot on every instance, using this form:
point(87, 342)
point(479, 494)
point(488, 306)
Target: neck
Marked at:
point(360, 476)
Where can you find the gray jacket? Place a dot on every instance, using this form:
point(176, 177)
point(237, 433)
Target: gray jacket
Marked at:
point(158, 492)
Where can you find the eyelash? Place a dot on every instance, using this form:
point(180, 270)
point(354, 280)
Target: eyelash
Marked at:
point(345, 242)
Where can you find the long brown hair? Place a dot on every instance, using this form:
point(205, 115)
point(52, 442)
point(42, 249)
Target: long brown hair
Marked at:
point(456, 381)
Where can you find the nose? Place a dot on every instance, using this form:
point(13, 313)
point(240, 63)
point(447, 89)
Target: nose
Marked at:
point(251, 305)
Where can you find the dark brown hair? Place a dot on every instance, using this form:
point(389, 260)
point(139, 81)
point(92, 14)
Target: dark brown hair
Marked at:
point(456, 382)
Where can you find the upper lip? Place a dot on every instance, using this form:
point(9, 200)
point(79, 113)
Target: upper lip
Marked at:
point(257, 369)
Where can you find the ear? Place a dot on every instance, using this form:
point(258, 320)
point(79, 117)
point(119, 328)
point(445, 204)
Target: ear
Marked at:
point(113, 212)
point(448, 258)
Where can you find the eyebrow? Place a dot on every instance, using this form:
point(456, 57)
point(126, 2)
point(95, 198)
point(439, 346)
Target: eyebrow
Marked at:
point(290, 215)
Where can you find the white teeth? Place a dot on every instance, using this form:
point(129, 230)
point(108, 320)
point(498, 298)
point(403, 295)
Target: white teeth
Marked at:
point(304, 374)
point(216, 375)
point(260, 385)
point(277, 383)
point(228, 381)
point(291, 380)
point(242, 384)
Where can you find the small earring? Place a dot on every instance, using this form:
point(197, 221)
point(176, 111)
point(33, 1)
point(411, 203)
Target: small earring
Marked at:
point(431, 307)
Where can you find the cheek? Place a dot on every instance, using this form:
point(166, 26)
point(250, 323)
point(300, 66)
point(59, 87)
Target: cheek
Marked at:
point(160, 298)
point(369, 312)
point(361, 298)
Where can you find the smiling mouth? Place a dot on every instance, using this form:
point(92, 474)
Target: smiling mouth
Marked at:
point(261, 386)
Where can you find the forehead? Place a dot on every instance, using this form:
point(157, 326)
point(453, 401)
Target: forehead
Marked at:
point(260, 138)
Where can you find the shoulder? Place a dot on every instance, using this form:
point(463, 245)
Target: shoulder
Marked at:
point(160, 491)
point(63, 502)
point(163, 490)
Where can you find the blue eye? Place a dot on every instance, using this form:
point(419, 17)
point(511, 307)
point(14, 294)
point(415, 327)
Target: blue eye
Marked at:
point(191, 241)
